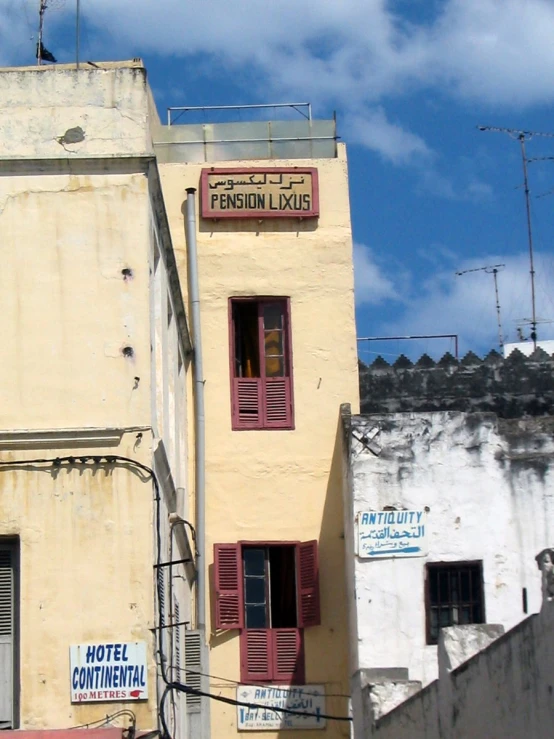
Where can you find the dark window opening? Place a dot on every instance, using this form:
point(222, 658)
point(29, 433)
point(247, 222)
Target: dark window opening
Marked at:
point(454, 596)
point(247, 345)
point(261, 363)
point(269, 587)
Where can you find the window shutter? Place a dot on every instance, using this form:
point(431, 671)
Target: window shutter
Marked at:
point(307, 579)
point(256, 658)
point(177, 637)
point(277, 402)
point(288, 655)
point(193, 667)
point(229, 604)
point(247, 402)
point(6, 638)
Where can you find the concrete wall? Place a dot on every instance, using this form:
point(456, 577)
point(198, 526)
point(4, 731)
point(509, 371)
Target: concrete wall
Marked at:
point(513, 387)
point(503, 692)
point(51, 113)
point(488, 488)
point(279, 485)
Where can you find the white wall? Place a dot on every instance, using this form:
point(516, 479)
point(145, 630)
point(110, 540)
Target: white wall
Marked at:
point(489, 492)
point(503, 692)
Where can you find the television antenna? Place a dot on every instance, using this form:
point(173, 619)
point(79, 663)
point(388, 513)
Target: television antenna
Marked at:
point(43, 4)
point(491, 269)
point(522, 136)
point(43, 55)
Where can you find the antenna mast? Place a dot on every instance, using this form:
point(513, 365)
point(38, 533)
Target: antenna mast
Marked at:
point(41, 11)
point(491, 269)
point(522, 137)
point(77, 31)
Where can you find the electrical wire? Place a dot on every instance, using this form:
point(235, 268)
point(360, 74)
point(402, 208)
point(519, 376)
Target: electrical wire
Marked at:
point(56, 462)
point(169, 685)
point(281, 688)
point(246, 704)
point(107, 718)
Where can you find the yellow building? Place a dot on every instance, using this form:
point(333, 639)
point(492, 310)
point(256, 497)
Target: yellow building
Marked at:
point(113, 229)
point(278, 341)
point(88, 287)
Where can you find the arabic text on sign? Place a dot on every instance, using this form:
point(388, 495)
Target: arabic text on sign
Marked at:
point(391, 533)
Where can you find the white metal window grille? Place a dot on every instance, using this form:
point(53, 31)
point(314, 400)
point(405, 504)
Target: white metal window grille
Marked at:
point(193, 668)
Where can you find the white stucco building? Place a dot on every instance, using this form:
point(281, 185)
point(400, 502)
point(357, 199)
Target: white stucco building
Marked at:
point(445, 510)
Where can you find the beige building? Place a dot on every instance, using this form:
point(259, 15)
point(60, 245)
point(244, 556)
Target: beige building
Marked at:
point(111, 224)
point(93, 365)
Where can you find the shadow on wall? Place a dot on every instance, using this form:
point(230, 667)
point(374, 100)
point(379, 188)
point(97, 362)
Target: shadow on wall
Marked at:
point(332, 635)
point(258, 225)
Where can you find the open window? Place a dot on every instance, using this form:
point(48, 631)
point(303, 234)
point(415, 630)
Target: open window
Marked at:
point(454, 595)
point(261, 363)
point(271, 592)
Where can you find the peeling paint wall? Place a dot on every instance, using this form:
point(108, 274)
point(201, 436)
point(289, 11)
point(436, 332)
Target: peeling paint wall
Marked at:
point(50, 113)
point(489, 488)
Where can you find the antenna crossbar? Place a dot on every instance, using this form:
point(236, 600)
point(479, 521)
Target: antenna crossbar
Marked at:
point(491, 269)
point(522, 135)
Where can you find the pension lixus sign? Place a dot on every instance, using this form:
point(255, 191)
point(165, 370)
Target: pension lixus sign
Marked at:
point(277, 192)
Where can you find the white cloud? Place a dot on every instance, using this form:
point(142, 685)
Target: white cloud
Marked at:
point(465, 305)
point(352, 54)
point(372, 286)
point(372, 129)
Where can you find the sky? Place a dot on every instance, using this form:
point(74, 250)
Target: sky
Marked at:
point(410, 81)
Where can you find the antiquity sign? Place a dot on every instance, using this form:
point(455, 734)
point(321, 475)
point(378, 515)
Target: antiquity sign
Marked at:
point(392, 534)
point(307, 700)
point(108, 672)
point(278, 192)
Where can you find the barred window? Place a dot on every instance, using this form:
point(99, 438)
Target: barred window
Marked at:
point(454, 596)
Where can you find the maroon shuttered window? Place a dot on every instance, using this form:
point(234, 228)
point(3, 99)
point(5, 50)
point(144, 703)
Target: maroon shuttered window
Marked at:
point(256, 655)
point(307, 584)
point(229, 602)
point(255, 587)
point(272, 655)
point(261, 363)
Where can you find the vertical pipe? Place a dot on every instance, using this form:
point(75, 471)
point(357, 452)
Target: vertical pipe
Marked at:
point(199, 417)
point(530, 239)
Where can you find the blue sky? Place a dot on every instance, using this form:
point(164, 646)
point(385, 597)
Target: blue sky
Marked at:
point(410, 81)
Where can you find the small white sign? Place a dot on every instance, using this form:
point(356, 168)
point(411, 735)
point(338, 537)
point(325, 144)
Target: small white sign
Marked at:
point(108, 672)
point(308, 700)
point(392, 534)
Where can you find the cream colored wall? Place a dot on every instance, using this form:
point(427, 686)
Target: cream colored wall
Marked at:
point(72, 217)
point(40, 104)
point(66, 311)
point(279, 485)
point(86, 550)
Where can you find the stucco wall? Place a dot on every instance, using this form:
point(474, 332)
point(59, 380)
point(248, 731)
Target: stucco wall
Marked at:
point(86, 553)
point(81, 217)
point(488, 487)
point(67, 311)
point(42, 107)
point(279, 485)
point(504, 692)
